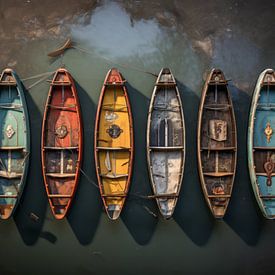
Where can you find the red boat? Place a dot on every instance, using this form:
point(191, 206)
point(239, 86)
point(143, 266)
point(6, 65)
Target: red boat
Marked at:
point(61, 143)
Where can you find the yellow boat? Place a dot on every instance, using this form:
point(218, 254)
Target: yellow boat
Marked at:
point(114, 143)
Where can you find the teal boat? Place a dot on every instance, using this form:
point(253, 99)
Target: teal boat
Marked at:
point(261, 143)
point(14, 142)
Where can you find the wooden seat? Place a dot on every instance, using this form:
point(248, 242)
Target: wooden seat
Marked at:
point(60, 148)
point(59, 196)
point(61, 83)
point(218, 174)
point(59, 175)
point(114, 195)
point(8, 83)
point(113, 148)
point(12, 148)
point(113, 176)
point(10, 175)
point(168, 148)
point(8, 196)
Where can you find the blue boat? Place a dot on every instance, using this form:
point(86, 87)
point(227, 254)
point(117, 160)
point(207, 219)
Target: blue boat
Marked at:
point(14, 142)
point(261, 143)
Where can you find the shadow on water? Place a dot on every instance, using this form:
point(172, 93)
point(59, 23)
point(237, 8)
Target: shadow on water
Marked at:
point(86, 209)
point(31, 211)
point(243, 214)
point(192, 213)
point(139, 214)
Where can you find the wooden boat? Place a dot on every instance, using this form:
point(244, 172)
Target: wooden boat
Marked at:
point(217, 143)
point(114, 143)
point(61, 143)
point(67, 45)
point(261, 143)
point(14, 143)
point(166, 142)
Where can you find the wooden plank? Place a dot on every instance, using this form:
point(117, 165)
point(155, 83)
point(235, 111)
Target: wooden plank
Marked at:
point(166, 148)
point(60, 175)
point(66, 108)
point(7, 83)
point(114, 195)
point(114, 176)
point(171, 84)
point(219, 196)
point(163, 196)
point(12, 147)
point(218, 174)
point(61, 148)
point(264, 174)
point(263, 148)
point(60, 196)
point(231, 148)
point(57, 83)
point(10, 175)
point(113, 148)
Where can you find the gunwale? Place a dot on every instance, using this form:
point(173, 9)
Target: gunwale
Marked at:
point(250, 142)
point(27, 147)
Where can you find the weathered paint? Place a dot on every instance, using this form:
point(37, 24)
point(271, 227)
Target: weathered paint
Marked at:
point(258, 119)
point(166, 142)
point(114, 143)
point(61, 143)
point(217, 150)
point(14, 142)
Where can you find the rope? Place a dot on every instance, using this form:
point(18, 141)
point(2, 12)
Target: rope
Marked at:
point(88, 178)
point(111, 61)
point(38, 81)
point(129, 195)
point(37, 76)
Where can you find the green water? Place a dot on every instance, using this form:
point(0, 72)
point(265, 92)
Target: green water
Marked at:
point(86, 242)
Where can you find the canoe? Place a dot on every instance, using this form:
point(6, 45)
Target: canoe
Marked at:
point(61, 145)
point(216, 143)
point(114, 143)
point(15, 142)
point(165, 142)
point(261, 143)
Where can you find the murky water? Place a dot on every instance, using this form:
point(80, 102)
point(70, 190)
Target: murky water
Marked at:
point(144, 36)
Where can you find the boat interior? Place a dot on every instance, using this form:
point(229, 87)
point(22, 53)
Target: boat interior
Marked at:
point(218, 144)
point(13, 152)
point(264, 143)
point(166, 143)
point(61, 143)
point(113, 145)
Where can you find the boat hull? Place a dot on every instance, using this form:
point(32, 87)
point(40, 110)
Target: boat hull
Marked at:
point(166, 142)
point(216, 143)
point(261, 143)
point(114, 143)
point(14, 142)
point(61, 143)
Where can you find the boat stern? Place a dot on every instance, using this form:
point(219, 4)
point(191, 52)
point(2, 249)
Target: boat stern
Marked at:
point(113, 211)
point(6, 211)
